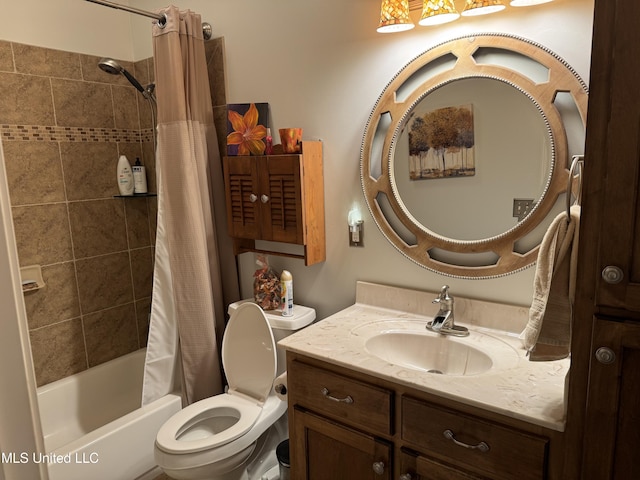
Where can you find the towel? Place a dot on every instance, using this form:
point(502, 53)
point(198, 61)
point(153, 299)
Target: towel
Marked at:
point(547, 335)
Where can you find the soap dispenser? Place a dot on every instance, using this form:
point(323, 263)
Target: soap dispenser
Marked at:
point(125, 176)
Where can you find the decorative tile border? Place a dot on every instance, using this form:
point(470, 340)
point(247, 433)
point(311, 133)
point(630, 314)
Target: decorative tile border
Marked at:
point(72, 134)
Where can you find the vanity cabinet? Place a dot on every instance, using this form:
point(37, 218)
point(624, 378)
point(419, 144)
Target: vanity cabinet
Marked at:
point(277, 198)
point(346, 424)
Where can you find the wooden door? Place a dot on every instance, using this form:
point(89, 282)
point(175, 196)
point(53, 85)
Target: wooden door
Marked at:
point(282, 209)
point(325, 450)
point(612, 160)
point(418, 467)
point(613, 404)
point(242, 193)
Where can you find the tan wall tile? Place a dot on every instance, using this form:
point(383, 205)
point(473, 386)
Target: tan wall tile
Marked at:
point(82, 104)
point(42, 234)
point(214, 52)
point(58, 351)
point(46, 62)
point(142, 272)
point(125, 107)
point(97, 227)
point(110, 333)
point(137, 213)
point(130, 150)
point(143, 309)
point(104, 282)
point(34, 172)
point(25, 100)
point(58, 300)
point(90, 169)
point(6, 57)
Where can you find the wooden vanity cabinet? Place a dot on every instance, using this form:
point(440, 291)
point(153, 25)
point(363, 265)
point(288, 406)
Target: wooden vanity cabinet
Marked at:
point(344, 424)
point(277, 198)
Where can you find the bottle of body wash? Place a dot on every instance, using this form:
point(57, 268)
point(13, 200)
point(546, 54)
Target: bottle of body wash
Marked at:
point(125, 176)
point(139, 178)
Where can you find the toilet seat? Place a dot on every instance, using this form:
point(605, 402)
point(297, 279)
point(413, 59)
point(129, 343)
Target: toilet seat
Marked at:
point(193, 429)
point(249, 360)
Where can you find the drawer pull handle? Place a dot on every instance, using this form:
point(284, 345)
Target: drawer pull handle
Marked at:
point(482, 446)
point(346, 399)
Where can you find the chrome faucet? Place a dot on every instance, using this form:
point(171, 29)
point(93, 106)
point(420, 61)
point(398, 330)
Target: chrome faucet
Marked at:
point(443, 321)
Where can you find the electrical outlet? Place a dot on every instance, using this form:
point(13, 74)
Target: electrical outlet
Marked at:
point(522, 207)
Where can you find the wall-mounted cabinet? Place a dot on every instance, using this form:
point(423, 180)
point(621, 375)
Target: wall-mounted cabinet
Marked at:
point(277, 198)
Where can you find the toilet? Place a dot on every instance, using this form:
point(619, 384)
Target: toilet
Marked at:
point(234, 435)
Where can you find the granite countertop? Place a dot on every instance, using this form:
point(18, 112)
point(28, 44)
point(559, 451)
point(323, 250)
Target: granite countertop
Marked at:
point(515, 387)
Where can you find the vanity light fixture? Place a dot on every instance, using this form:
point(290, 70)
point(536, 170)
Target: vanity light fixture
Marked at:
point(482, 7)
point(437, 12)
point(394, 16)
point(527, 3)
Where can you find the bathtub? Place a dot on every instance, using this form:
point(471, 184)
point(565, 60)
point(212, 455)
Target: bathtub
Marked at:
point(93, 424)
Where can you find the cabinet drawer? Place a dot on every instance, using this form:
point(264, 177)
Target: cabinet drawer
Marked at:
point(342, 398)
point(510, 454)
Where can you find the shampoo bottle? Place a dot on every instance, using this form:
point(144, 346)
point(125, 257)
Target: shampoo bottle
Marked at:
point(139, 178)
point(286, 284)
point(125, 176)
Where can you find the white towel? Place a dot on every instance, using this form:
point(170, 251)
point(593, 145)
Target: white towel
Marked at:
point(547, 335)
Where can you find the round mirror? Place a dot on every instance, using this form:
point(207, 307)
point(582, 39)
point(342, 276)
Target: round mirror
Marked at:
point(465, 156)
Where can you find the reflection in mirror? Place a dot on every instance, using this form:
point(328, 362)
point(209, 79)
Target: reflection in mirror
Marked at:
point(458, 135)
point(512, 138)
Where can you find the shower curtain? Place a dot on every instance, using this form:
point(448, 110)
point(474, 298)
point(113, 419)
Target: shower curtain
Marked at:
point(187, 311)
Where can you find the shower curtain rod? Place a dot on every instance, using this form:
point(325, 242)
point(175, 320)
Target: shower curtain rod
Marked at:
point(161, 18)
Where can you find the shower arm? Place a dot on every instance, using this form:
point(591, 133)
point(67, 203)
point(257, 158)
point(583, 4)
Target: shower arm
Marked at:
point(207, 30)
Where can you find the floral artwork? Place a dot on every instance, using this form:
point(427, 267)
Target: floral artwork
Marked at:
point(441, 143)
point(247, 128)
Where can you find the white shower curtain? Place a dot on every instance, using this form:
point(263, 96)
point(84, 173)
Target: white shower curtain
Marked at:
point(187, 312)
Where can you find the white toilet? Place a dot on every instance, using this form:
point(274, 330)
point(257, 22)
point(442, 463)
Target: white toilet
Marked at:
point(233, 436)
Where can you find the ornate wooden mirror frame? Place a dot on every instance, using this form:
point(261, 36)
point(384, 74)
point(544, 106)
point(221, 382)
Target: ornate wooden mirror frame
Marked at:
point(486, 257)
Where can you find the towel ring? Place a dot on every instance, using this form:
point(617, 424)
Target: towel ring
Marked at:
point(576, 160)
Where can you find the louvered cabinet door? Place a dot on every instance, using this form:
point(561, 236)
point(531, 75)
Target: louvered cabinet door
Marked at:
point(282, 206)
point(243, 196)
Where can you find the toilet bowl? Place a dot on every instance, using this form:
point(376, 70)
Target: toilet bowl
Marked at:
point(226, 436)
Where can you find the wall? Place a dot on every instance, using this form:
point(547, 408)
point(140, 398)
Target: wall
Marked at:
point(321, 66)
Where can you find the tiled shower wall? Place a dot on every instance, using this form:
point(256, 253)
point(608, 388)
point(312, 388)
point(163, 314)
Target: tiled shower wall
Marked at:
point(63, 124)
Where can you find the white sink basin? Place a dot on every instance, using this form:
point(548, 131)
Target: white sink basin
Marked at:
point(407, 343)
point(443, 355)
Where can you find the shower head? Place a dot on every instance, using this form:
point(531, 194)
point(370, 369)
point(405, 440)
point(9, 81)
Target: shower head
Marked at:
point(112, 67)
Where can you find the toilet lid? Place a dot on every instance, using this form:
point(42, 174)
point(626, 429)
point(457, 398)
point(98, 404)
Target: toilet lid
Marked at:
point(249, 353)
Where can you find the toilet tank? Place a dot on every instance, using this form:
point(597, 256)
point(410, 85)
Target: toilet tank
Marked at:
point(283, 326)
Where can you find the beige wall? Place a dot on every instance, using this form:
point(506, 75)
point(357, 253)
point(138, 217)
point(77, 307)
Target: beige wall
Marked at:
point(321, 66)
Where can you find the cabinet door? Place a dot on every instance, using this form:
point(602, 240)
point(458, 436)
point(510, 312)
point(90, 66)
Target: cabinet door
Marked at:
point(418, 467)
point(282, 206)
point(324, 450)
point(612, 157)
point(613, 404)
point(242, 192)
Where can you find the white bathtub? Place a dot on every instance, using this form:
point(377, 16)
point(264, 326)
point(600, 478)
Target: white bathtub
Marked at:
point(94, 427)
